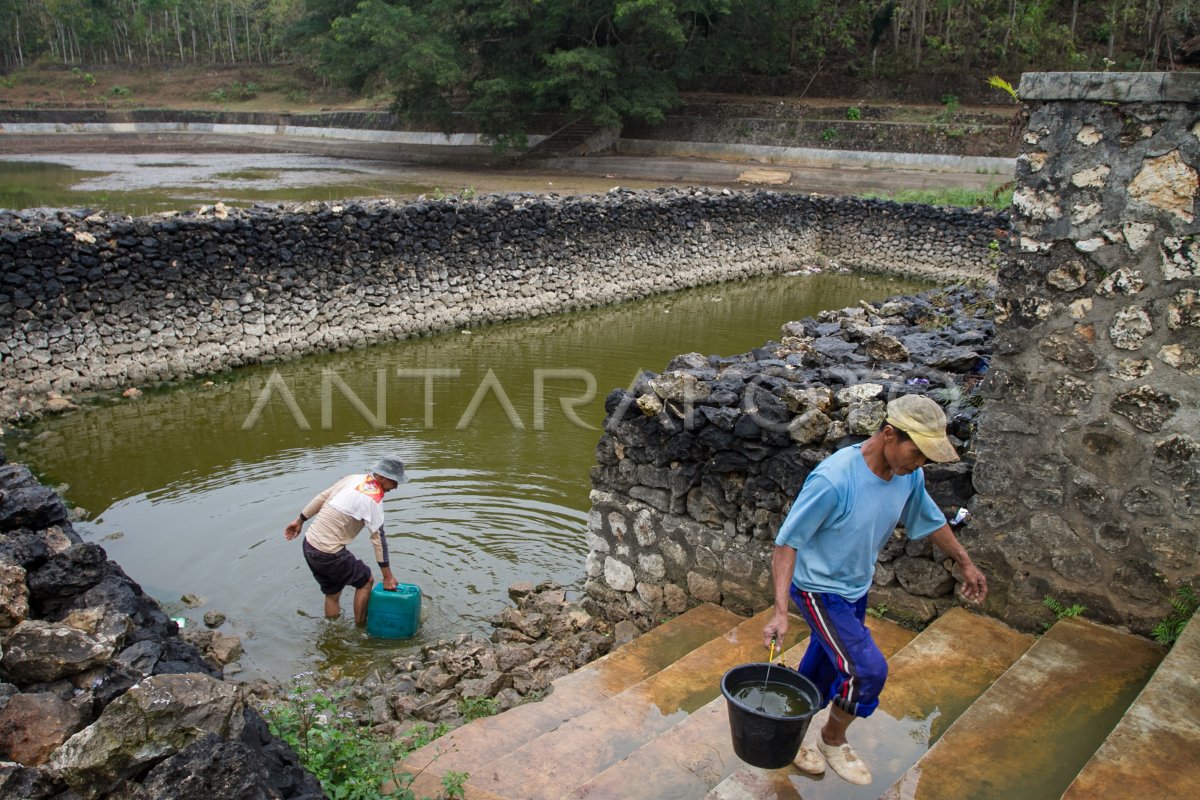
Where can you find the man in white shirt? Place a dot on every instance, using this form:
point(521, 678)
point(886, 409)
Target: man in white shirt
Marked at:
point(338, 515)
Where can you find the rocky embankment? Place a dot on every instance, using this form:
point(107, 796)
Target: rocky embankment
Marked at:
point(542, 637)
point(103, 697)
point(99, 694)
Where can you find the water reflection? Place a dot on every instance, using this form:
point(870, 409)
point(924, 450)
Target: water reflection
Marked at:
point(201, 500)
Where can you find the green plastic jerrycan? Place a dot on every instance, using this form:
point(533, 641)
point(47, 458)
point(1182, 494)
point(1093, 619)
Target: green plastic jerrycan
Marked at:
point(394, 615)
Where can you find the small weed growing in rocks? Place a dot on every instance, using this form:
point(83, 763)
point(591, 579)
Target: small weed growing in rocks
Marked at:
point(341, 754)
point(1061, 611)
point(475, 707)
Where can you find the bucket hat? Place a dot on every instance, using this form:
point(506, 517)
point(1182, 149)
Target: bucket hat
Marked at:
point(390, 467)
point(925, 423)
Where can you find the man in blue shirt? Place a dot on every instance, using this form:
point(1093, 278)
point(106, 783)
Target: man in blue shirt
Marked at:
point(825, 556)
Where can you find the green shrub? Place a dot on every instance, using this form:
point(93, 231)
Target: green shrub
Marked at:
point(234, 92)
point(949, 108)
point(853, 113)
point(121, 91)
point(475, 707)
point(348, 762)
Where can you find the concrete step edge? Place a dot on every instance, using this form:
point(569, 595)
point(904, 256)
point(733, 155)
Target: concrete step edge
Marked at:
point(719, 759)
point(987, 712)
point(1154, 751)
point(714, 653)
point(449, 751)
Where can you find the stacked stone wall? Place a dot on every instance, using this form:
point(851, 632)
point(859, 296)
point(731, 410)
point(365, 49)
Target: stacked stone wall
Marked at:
point(89, 302)
point(1088, 454)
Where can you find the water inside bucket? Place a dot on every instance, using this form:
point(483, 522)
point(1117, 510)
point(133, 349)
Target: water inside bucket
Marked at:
point(774, 698)
point(768, 739)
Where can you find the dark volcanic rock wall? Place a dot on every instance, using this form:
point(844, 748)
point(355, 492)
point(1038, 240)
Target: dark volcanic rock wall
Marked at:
point(99, 696)
point(88, 302)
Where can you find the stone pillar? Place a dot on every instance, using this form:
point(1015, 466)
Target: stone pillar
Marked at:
point(1088, 467)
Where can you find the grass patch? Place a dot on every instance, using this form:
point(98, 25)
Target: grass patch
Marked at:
point(999, 197)
point(248, 175)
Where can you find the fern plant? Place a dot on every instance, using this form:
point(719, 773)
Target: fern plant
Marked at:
point(1183, 604)
point(1061, 611)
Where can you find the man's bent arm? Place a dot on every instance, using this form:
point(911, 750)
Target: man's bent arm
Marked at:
point(974, 586)
point(783, 564)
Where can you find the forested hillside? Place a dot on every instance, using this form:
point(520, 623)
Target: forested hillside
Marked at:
point(501, 61)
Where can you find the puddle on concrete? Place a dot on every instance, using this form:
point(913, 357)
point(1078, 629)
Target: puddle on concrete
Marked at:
point(888, 745)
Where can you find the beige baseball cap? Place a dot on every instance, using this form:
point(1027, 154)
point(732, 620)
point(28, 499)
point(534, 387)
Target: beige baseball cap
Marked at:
point(925, 423)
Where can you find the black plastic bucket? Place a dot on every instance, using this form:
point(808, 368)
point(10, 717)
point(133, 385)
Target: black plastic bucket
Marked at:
point(760, 738)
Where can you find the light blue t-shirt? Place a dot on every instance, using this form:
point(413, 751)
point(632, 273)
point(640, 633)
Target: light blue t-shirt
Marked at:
point(843, 516)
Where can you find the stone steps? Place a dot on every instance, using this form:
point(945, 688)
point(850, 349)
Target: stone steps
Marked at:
point(697, 754)
point(1033, 730)
point(564, 141)
point(590, 742)
point(972, 709)
point(931, 682)
point(1155, 749)
point(467, 748)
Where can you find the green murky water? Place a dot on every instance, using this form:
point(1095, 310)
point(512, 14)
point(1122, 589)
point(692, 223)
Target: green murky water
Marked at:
point(772, 697)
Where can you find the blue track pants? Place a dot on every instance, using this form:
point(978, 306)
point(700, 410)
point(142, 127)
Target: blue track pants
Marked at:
point(842, 659)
